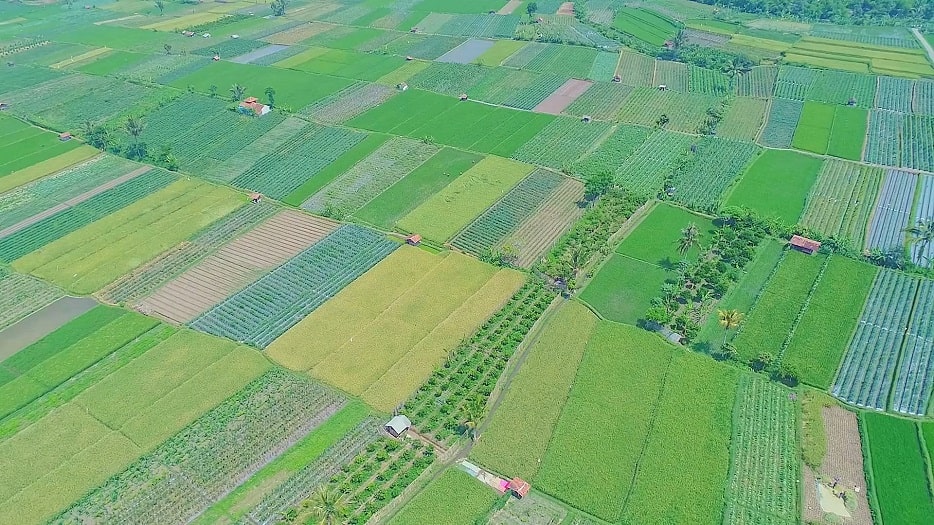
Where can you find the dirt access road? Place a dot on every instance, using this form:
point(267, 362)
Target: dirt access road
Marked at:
point(924, 43)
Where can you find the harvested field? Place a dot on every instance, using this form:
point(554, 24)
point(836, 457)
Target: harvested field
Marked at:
point(566, 9)
point(21, 295)
point(297, 34)
point(539, 232)
point(563, 97)
point(236, 265)
point(257, 54)
point(42, 323)
point(466, 52)
point(844, 458)
point(510, 6)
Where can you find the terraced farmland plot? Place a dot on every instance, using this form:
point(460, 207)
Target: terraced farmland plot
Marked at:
point(921, 253)
point(893, 211)
point(260, 422)
point(841, 201)
point(562, 142)
point(235, 265)
point(297, 160)
point(645, 170)
point(31, 199)
point(914, 380)
point(866, 374)
point(783, 119)
point(538, 233)
point(21, 295)
point(686, 112)
point(492, 227)
point(744, 119)
point(795, 83)
point(764, 467)
point(839, 87)
point(418, 307)
point(759, 82)
point(371, 176)
point(517, 89)
point(172, 263)
point(265, 309)
point(88, 259)
point(636, 69)
point(61, 224)
point(603, 101)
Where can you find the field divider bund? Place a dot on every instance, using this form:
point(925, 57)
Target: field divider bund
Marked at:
point(803, 310)
point(74, 201)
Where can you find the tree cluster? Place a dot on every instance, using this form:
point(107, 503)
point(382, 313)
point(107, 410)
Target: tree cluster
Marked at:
point(837, 11)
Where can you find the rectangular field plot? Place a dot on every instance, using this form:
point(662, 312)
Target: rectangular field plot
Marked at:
point(348, 103)
point(21, 295)
point(923, 253)
point(419, 306)
point(443, 215)
point(516, 89)
point(491, 228)
point(838, 87)
point(431, 505)
point(636, 69)
point(645, 25)
point(795, 83)
point(24, 145)
point(866, 374)
point(603, 100)
point(52, 228)
point(47, 167)
point(261, 420)
point(764, 466)
point(814, 127)
point(744, 119)
point(777, 185)
point(273, 304)
point(569, 61)
point(520, 430)
point(708, 169)
point(467, 52)
point(235, 265)
point(816, 345)
point(758, 82)
point(899, 139)
point(780, 126)
point(898, 478)
point(563, 97)
point(88, 259)
point(562, 142)
point(418, 186)
point(841, 201)
point(351, 64)
point(914, 380)
point(623, 289)
point(893, 211)
point(657, 155)
point(685, 111)
point(370, 177)
point(539, 232)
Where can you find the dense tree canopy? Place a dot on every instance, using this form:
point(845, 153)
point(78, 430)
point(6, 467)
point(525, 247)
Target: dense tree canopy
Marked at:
point(840, 11)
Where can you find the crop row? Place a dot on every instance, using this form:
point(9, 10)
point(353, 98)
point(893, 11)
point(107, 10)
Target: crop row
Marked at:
point(645, 171)
point(839, 87)
point(896, 37)
point(612, 155)
point(40, 97)
point(841, 201)
point(371, 176)
point(865, 377)
point(893, 211)
point(636, 69)
point(783, 119)
point(348, 103)
point(561, 143)
point(670, 109)
point(304, 482)
point(221, 137)
point(264, 310)
point(449, 78)
point(603, 100)
point(517, 89)
point(894, 94)
point(190, 471)
point(795, 82)
point(97, 105)
point(673, 75)
point(21, 295)
point(52, 228)
point(481, 25)
point(883, 143)
point(915, 378)
point(702, 176)
point(441, 406)
point(764, 468)
point(759, 82)
point(25, 76)
point(162, 124)
point(922, 253)
point(917, 142)
point(428, 47)
point(38, 196)
point(604, 67)
point(501, 219)
point(171, 264)
point(708, 81)
point(300, 158)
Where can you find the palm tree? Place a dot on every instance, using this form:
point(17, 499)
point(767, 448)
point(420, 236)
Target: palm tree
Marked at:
point(328, 507)
point(237, 91)
point(729, 320)
point(690, 238)
point(271, 96)
point(735, 68)
point(922, 235)
point(160, 5)
point(473, 413)
point(135, 126)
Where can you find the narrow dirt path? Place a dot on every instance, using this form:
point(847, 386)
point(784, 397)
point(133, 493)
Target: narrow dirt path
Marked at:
point(25, 223)
point(924, 43)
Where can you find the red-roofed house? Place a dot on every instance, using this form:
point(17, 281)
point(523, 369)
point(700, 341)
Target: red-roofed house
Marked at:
point(64, 136)
point(414, 239)
point(519, 487)
point(803, 244)
point(251, 105)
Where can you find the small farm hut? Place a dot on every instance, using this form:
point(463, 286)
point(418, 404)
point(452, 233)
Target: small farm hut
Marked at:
point(413, 30)
point(662, 87)
point(252, 106)
point(463, 96)
point(402, 86)
point(617, 79)
point(414, 239)
point(586, 119)
point(4, 106)
point(64, 137)
point(803, 244)
point(519, 487)
point(188, 33)
point(256, 197)
point(216, 58)
point(409, 58)
point(398, 425)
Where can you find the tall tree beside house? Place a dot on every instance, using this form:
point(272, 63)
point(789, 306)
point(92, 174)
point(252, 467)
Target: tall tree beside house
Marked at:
point(271, 96)
point(237, 91)
point(278, 7)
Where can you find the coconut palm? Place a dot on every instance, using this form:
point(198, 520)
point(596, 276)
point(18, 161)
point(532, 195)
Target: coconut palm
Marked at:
point(328, 507)
point(473, 413)
point(922, 234)
point(237, 91)
point(690, 238)
point(735, 68)
point(729, 320)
